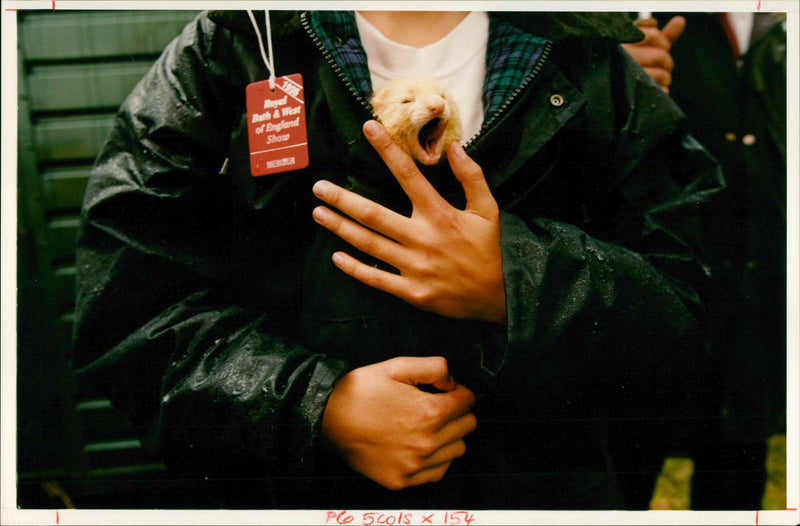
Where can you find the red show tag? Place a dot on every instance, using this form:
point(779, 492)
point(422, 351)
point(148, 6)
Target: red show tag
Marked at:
point(276, 126)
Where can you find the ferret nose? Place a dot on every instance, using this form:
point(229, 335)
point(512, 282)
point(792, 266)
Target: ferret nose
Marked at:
point(435, 105)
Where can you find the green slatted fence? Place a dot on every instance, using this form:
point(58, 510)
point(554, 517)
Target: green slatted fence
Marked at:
point(75, 68)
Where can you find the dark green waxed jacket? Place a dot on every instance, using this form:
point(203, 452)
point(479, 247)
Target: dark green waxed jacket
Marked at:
point(210, 313)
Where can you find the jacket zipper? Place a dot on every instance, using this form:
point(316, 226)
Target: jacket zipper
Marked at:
point(329, 58)
point(486, 125)
point(527, 80)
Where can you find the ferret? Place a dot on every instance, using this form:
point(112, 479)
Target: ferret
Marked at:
point(419, 115)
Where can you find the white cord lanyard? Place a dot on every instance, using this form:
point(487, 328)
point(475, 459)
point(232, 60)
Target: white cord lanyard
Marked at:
point(269, 62)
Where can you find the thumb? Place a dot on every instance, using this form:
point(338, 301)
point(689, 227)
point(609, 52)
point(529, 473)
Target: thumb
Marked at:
point(429, 370)
point(673, 29)
point(479, 198)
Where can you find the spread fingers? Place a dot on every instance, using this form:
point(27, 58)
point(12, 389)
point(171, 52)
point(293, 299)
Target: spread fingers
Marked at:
point(367, 212)
point(358, 236)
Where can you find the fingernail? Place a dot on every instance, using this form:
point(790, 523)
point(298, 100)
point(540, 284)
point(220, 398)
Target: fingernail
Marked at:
point(319, 213)
point(320, 188)
point(338, 259)
point(372, 128)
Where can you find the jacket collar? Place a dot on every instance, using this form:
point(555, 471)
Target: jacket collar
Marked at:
point(511, 55)
point(517, 40)
point(283, 22)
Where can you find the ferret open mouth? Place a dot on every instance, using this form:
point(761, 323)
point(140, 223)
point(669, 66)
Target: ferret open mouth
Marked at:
point(429, 138)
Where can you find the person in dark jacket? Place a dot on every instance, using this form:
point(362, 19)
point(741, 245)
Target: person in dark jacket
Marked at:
point(210, 311)
point(734, 93)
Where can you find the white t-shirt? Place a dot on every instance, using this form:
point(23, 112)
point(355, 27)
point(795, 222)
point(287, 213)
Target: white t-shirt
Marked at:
point(457, 61)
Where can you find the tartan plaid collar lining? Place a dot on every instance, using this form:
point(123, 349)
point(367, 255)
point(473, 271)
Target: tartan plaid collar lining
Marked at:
point(511, 55)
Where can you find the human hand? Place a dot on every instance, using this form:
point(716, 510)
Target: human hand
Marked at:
point(391, 431)
point(449, 259)
point(652, 53)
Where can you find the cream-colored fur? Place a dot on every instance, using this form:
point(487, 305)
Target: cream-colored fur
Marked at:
point(419, 115)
